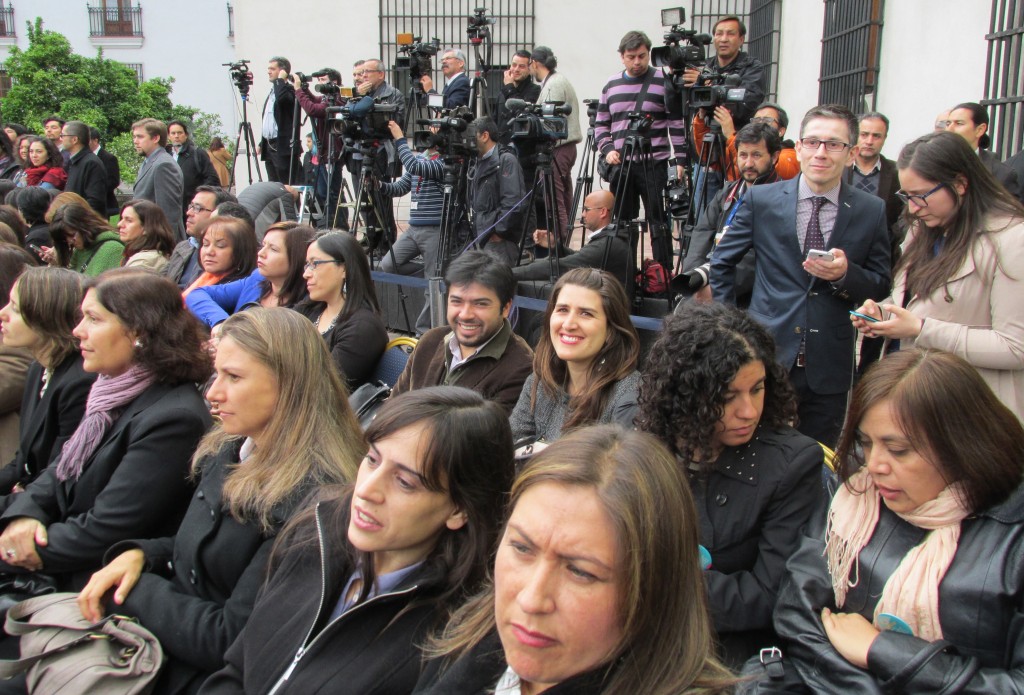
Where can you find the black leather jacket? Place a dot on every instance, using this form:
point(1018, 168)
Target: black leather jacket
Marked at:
point(981, 610)
point(752, 78)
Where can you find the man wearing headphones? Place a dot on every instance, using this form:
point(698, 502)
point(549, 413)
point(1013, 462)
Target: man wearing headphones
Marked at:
point(555, 87)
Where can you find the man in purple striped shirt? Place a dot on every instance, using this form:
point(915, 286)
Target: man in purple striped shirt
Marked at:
point(667, 136)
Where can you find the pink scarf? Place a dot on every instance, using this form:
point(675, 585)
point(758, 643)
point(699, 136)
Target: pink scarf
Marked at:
point(108, 394)
point(912, 592)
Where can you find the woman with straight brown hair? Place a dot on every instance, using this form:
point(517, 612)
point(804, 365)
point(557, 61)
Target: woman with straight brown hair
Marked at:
point(584, 365)
point(82, 240)
point(285, 430)
point(146, 234)
point(227, 251)
point(597, 586)
point(277, 281)
point(912, 582)
point(959, 283)
point(43, 308)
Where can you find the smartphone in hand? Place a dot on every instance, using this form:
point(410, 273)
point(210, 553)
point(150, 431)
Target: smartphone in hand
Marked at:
point(859, 315)
point(816, 255)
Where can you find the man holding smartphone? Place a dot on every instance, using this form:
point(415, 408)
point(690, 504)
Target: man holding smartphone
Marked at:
point(821, 247)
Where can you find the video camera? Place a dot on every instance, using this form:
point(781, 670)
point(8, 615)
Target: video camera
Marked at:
point(545, 121)
point(240, 75)
point(455, 135)
point(684, 48)
point(716, 90)
point(478, 30)
point(419, 54)
point(364, 119)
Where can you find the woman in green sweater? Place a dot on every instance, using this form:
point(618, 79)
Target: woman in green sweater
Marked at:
point(84, 241)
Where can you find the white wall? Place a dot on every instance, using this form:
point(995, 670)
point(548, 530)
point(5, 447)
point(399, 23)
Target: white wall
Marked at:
point(184, 39)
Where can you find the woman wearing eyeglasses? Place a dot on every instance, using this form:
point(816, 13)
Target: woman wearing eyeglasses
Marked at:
point(959, 283)
point(343, 306)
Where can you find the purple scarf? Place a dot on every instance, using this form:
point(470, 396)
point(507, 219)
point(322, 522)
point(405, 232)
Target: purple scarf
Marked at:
point(108, 393)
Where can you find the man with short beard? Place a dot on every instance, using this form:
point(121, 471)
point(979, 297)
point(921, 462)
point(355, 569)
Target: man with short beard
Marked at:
point(757, 152)
point(517, 84)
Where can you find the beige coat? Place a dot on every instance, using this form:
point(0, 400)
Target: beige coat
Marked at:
point(979, 314)
point(150, 260)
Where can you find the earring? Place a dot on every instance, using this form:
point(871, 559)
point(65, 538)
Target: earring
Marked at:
point(138, 344)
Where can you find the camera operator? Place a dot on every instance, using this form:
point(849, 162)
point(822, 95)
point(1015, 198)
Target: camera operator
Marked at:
point(279, 148)
point(496, 194)
point(517, 84)
point(456, 88)
point(555, 87)
point(667, 134)
point(328, 147)
point(757, 153)
point(729, 34)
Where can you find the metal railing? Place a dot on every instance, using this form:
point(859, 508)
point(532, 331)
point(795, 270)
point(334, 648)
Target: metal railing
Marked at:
point(1004, 77)
point(115, 21)
point(512, 31)
point(850, 48)
point(7, 28)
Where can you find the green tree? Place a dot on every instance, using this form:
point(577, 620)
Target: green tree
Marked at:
point(48, 78)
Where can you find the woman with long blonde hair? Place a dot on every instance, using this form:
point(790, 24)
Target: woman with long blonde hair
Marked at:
point(285, 430)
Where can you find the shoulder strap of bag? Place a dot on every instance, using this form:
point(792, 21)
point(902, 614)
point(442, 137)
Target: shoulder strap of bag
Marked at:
point(13, 668)
point(639, 105)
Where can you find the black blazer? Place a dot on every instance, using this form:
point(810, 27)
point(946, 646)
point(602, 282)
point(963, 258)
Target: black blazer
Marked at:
point(47, 422)
point(135, 484)
point(200, 585)
point(1004, 174)
point(591, 255)
point(113, 168)
point(793, 304)
point(88, 178)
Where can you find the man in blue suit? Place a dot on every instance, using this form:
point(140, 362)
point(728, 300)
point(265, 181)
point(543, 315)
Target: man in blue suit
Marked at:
point(803, 299)
point(457, 87)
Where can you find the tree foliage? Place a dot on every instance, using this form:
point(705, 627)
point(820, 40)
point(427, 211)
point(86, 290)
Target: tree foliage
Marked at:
point(48, 78)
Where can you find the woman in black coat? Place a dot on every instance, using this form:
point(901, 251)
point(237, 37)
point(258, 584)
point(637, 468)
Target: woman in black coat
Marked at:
point(44, 306)
point(124, 471)
point(713, 392)
point(360, 582)
point(343, 305)
point(913, 581)
point(286, 429)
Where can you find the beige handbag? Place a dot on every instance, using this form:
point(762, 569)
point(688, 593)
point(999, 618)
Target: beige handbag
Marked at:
point(65, 654)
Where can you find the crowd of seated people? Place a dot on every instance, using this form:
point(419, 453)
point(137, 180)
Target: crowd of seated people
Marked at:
point(575, 515)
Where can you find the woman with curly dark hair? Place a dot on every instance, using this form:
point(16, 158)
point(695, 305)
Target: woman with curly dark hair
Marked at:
point(713, 392)
point(584, 368)
point(45, 166)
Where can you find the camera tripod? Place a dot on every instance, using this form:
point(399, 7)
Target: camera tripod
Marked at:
point(543, 178)
point(636, 154)
point(712, 152)
point(585, 177)
point(453, 214)
point(369, 204)
point(245, 131)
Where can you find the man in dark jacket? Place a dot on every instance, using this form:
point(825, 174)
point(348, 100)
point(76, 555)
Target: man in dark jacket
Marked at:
point(518, 84)
point(327, 173)
point(602, 241)
point(477, 349)
point(729, 34)
point(496, 195)
point(86, 175)
point(279, 148)
point(196, 168)
point(970, 121)
point(112, 166)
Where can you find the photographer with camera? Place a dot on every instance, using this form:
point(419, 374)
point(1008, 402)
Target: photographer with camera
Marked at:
point(496, 194)
point(422, 176)
point(757, 153)
point(279, 148)
point(330, 148)
point(641, 90)
point(729, 34)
